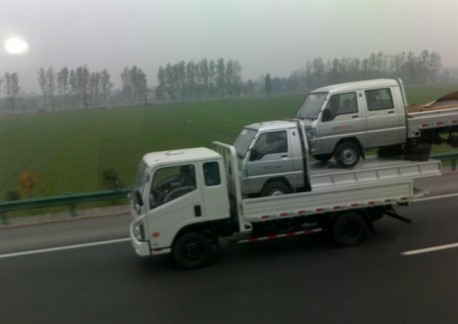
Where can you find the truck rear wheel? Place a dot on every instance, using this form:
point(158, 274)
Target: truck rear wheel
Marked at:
point(192, 251)
point(349, 229)
point(347, 154)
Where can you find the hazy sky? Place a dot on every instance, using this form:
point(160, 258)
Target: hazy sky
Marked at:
point(265, 36)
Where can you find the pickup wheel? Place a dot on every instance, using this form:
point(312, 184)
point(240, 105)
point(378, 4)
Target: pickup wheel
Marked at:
point(192, 251)
point(418, 152)
point(275, 188)
point(347, 154)
point(349, 229)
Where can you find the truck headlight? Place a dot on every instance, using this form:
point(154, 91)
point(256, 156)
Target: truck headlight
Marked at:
point(310, 132)
point(138, 229)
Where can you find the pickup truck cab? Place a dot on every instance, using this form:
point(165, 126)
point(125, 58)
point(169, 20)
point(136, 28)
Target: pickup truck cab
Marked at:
point(345, 119)
point(272, 158)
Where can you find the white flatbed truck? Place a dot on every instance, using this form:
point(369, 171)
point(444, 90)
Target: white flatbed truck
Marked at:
point(186, 201)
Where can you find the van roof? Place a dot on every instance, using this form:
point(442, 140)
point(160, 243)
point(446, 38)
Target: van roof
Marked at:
point(180, 155)
point(349, 86)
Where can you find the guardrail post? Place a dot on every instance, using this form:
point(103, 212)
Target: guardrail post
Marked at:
point(4, 218)
point(453, 164)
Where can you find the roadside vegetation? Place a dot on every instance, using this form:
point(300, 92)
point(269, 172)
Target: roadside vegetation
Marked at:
point(74, 151)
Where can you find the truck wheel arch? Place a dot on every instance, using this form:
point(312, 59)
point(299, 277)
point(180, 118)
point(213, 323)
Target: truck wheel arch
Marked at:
point(272, 186)
point(353, 144)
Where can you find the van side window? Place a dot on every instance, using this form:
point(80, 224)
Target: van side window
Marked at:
point(211, 174)
point(340, 104)
point(379, 99)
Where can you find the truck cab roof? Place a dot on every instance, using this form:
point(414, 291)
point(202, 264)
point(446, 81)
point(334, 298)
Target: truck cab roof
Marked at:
point(351, 86)
point(272, 125)
point(180, 156)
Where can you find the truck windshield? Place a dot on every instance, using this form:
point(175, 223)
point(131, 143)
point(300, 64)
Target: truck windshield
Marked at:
point(142, 178)
point(311, 106)
point(243, 141)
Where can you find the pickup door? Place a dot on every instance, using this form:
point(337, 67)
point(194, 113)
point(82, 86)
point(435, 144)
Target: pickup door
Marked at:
point(273, 155)
point(385, 117)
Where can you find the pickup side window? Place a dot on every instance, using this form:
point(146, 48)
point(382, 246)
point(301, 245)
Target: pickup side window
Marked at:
point(269, 143)
point(170, 183)
point(340, 104)
point(211, 174)
point(379, 99)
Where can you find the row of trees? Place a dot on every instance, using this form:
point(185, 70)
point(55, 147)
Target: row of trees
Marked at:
point(74, 88)
point(203, 80)
point(423, 68)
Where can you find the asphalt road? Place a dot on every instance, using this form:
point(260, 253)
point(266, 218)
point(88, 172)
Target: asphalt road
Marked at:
point(300, 280)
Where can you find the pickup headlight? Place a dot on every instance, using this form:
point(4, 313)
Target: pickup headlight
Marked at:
point(138, 229)
point(310, 132)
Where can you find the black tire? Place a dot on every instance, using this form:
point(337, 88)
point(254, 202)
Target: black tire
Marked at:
point(192, 251)
point(418, 152)
point(347, 154)
point(349, 229)
point(323, 157)
point(390, 151)
point(275, 188)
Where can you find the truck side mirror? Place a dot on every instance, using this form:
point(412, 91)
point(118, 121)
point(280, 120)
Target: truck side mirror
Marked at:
point(138, 198)
point(326, 115)
point(255, 155)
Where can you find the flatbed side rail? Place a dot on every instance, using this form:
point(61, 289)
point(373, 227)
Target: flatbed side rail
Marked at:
point(233, 176)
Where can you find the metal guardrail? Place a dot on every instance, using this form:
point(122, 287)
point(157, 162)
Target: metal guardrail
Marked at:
point(73, 199)
point(70, 200)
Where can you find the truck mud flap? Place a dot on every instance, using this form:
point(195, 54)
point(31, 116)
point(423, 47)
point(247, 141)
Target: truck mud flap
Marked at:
point(392, 213)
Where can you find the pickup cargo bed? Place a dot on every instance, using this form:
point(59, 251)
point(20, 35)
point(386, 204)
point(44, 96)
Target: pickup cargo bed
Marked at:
point(324, 175)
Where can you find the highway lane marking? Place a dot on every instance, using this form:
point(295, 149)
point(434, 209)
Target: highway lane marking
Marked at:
point(63, 248)
point(431, 249)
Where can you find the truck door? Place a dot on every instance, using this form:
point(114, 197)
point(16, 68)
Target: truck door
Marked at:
point(270, 157)
point(342, 118)
point(385, 118)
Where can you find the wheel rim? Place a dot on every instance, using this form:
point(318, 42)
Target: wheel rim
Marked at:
point(193, 250)
point(277, 192)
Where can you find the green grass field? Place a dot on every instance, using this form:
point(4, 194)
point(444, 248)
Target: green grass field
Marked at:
point(72, 149)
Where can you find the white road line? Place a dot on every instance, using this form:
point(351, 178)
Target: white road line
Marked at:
point(62, 248)
point(431, 249)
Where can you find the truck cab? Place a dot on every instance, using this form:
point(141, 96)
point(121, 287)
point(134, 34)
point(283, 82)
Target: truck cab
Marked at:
point(176, 190)
point(272, 158)
point(343, 120)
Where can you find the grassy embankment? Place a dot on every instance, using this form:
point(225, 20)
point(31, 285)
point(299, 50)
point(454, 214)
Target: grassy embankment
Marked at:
point(70, 150)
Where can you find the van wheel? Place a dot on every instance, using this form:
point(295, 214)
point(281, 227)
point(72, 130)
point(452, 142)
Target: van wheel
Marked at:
point(192, 251)
point(349, 229)
point(347, 154)
point(275, 188)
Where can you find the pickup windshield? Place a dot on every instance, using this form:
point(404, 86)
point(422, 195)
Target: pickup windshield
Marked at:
point(311, 106)
point(243, 141)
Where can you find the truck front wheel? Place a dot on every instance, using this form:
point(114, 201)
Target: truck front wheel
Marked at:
point(275, 188)
point(192, 251)
point(347, 154)
point(349, 229)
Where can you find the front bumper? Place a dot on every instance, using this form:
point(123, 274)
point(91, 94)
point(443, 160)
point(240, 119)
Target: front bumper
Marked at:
point(142, 248)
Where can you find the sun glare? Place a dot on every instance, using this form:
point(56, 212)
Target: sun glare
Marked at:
point(16, 45)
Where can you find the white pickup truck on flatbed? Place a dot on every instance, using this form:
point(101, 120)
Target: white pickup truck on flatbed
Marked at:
point(185, 201)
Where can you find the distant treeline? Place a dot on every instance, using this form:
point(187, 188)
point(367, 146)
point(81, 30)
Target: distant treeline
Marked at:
point(424, 68)
point(206, 80)
point(196, 81)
